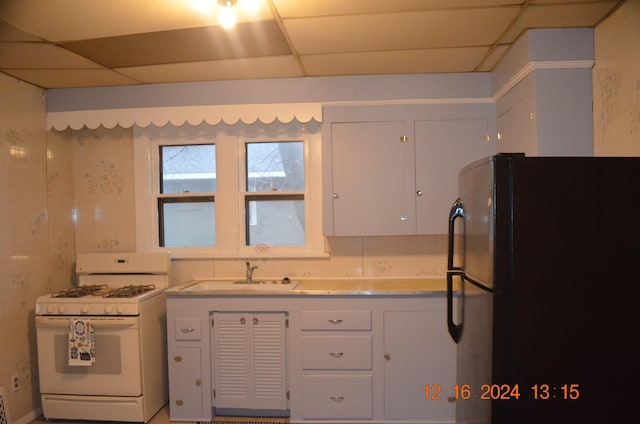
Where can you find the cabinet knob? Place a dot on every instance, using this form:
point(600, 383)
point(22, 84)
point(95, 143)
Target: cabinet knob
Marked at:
point(255, 320)
point(177, 358)
point(336, 398)
point(198, 382)
point(243, 320)
point(404, 139)
point(187, 330)
point(335, 321)
point(335, 195)
point(179, 402)
point(336, 354)
point(387, 356)
point(419, 193)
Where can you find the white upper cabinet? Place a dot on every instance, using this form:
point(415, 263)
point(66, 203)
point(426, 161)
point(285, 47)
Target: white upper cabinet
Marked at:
point(369, 176)
point(392, 170)
point(443, 147)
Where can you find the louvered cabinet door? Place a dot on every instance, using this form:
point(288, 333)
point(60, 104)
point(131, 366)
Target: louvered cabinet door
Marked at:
point(249, 360)
point(268, 378)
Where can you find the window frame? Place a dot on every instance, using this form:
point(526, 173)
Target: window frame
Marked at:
point(231, 194)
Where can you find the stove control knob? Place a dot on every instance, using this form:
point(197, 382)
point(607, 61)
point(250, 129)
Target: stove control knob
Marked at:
point(84, 309)
point(120, 309)
point(62, 308)
point(51, 309)
point(108, 309)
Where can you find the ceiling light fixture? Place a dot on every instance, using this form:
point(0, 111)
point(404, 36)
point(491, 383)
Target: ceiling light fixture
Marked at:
point(227, 17)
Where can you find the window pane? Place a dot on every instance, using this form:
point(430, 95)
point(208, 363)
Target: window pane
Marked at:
point(188, 168)
point(277, 222)
point(187, 222)
point(277, 166)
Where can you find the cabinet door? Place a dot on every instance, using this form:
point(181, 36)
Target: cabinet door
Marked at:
point(249, 360)
point(443, 147)
point(369, 166)
point(516, 122)
point(186, 381)
point(418, 353)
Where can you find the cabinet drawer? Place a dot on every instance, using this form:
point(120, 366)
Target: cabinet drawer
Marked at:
point(336, 352)
point(337, 396)
point(335, 320)
point(187, 329)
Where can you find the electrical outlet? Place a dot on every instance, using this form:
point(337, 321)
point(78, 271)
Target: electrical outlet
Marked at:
point(15, 382)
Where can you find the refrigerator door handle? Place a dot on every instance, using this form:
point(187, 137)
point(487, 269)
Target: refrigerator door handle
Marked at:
point(457, 211)
point(455, 330)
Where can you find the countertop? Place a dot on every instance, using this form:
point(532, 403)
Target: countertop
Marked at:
point(325, 286)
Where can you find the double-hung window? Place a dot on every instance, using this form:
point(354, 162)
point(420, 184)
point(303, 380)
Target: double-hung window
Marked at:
point(186, 198)
point(252, 191)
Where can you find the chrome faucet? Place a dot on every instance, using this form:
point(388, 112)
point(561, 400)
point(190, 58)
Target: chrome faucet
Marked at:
point(250, 272)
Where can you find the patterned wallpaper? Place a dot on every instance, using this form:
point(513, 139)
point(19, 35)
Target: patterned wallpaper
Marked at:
point(24, 236)
point(616, 83)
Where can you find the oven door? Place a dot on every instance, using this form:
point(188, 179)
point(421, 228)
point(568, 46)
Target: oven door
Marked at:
point(116, 370)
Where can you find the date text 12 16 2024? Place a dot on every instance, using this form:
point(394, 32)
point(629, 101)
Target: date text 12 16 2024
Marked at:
point(503, 392)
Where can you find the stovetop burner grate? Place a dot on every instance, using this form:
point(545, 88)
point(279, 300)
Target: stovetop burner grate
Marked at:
point(130, 291)
point(80, 291)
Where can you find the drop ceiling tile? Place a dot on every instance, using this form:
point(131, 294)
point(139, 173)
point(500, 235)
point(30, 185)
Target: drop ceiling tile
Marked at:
point(248, 68)
point(187, 45)
point(298, 8)
point(395, 62)
point(29, 55)
point(71, 78)
point(558, 16)
point(10, 33)
point(67, 20)
point(433, 29)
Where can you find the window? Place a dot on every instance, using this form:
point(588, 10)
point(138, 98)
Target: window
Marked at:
point(274, 203)
point(186, 202)
point(229, 191)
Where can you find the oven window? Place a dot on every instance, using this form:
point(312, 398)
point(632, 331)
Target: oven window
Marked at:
point(186, 203)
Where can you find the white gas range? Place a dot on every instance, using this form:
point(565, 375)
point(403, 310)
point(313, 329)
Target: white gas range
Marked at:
point(102, 344)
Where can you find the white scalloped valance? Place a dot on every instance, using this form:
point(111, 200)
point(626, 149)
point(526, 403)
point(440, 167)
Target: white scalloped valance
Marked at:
point(180, 115)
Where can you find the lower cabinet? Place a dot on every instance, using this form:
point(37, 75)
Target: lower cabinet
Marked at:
point(337, 364)
point(249, 360)
point(187, 381)
point(419, 359)
point(313, 358)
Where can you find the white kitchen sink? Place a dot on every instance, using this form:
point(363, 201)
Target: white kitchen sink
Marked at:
point(216, 285)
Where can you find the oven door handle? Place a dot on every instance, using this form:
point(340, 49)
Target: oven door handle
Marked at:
point(60, 322)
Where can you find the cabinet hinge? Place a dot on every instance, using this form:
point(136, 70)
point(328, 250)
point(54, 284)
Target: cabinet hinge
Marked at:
point(286, 322)
point(211, 322)
point(288, 396)
point(214, 393)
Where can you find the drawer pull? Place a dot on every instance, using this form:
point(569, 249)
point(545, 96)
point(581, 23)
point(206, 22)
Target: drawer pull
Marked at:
point(336, 398)
point(187, 330)
point(336, 354)
point(335, 321)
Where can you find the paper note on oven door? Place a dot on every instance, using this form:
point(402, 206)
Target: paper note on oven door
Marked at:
point(81, 344)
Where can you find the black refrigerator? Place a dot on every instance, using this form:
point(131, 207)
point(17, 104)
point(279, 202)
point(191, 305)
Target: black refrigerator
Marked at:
point(543, 290)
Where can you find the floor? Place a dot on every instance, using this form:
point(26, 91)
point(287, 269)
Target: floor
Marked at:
point(162, 417)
